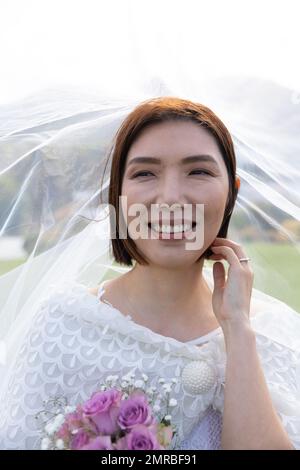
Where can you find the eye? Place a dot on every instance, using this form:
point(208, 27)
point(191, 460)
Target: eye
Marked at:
point(140, 173)
point(200, 171)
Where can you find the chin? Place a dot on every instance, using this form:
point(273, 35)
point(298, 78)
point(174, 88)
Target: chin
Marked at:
point(174, 260)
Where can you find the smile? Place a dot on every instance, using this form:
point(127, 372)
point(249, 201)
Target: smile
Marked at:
point(180, 228)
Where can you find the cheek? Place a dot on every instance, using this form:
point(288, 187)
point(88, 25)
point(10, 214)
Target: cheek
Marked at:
point(132, 197)
point(134, 193)
point(214, 206)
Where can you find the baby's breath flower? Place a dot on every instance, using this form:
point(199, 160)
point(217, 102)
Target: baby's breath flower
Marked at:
point(45, 443)
point(50, 428)
point(161, 380)
point(128, 379)
point(70, 409)
point(156, 408)
point(125, 378)
point(145, 377)
point(172, 402)
point(168, 418)
point(174, 380)
point(111, 379)
point(167, 388)
point(58, 421)
point(59, 444)
point(53, 426)
point(167, 385)
point(139, 383)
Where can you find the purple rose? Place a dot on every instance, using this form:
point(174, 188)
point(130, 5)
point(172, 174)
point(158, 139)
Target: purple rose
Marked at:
point(103, 409)
point(135, 410)
point(140, 438)
point(80, 439)
point(99, 443)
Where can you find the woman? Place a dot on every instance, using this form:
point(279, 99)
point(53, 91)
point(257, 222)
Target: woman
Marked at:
point(164, 316)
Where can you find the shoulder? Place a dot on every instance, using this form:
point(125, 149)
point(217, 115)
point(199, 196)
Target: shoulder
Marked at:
point(61, 309)
point(60, 324)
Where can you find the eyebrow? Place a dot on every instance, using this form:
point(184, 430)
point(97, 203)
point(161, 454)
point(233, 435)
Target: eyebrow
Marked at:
point(184, 161)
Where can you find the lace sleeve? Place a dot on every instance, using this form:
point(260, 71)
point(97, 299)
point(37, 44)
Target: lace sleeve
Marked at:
point(24, 390)
point(281, 366)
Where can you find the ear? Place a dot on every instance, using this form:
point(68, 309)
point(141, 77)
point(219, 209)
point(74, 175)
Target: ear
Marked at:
point(237, 182)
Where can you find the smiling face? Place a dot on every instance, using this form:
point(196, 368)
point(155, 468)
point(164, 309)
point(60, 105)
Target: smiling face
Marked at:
point(170, 180)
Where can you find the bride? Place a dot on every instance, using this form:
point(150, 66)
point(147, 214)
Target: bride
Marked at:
point(168, 316)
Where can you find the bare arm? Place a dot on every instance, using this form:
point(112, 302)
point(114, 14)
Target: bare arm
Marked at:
point(250, 420)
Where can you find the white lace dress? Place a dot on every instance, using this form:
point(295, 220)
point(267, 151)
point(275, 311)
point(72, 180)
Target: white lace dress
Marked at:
point(77, 340)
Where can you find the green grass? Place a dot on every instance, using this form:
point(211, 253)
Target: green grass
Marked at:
point(279, 275)
point(8, 265)
point(283, 262)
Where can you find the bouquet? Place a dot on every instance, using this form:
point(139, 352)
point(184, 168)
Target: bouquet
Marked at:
point(125, 416)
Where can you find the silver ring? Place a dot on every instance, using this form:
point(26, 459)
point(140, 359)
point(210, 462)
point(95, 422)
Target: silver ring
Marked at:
point(244, 259)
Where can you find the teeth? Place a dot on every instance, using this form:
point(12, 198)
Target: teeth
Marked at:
point(171, 229)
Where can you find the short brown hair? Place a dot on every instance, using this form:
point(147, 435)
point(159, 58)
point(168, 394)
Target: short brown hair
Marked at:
point(153, 111)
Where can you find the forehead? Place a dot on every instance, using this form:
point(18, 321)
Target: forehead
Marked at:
point(171, 141)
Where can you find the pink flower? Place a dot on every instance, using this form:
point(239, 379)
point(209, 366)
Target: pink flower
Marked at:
point(74, 419)
point(103, 409)
point(140, 438)
point(79, 440)
point(63, 432)
point(135, 410)
point(99, 443)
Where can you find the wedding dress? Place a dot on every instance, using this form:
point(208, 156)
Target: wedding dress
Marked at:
point(77, 339)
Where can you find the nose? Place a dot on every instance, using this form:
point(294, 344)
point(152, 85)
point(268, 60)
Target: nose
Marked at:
point(170, 193)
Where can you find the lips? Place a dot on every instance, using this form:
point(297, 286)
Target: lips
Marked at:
point(172, 222)
point(175, 221)
point(175, 225)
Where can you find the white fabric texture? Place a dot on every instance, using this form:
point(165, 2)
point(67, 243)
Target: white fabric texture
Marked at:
point(76, 340)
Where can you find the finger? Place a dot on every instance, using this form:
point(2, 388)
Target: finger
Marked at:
point(228, 254)
point(226, 242)
point(216, 257)
point(219, 275)
point(238, 250)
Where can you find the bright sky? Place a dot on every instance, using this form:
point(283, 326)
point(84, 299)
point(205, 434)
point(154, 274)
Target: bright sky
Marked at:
point(118, 44)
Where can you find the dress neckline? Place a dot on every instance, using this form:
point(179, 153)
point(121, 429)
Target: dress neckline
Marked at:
point(195, 341)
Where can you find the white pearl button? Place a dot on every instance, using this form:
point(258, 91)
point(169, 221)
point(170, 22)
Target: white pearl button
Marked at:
point(198, 377)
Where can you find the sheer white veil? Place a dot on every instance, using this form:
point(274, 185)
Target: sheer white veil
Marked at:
point(55, 165)
point(55, 149)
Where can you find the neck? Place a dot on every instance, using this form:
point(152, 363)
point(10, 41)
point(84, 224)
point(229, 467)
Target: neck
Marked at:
point(167, 294)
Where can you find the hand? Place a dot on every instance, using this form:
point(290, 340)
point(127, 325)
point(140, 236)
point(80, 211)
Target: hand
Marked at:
point(231, 296)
